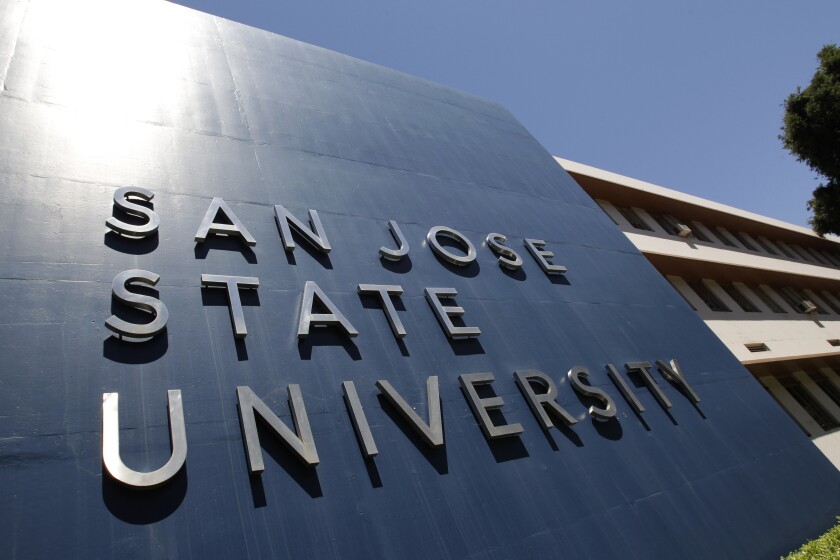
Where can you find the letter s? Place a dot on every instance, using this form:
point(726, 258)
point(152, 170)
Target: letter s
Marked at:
point(145, 303)
point(121, 200)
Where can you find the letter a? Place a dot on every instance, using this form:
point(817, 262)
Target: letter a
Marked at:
point(209, 225)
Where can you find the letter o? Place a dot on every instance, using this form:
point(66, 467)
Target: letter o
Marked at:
point(441, 251)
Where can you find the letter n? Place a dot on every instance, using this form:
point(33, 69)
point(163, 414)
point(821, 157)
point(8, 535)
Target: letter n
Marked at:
point(299, 442)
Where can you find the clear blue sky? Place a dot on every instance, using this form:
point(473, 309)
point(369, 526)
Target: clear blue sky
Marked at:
point(686, 95)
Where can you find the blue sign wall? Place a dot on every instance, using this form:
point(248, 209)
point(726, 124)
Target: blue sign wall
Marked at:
point(99, 96)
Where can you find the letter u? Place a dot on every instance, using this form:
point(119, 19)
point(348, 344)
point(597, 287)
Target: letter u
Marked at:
point(111, 444)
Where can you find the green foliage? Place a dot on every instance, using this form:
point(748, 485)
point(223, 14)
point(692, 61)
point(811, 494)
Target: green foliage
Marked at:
point(811, 132)
point(825, 205)
point(827, 547)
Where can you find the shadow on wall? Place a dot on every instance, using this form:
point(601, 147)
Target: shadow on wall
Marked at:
point(143, 506)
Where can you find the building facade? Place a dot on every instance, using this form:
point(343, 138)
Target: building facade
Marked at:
point(768, 289)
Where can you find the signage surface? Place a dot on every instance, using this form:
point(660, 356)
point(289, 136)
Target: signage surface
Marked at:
point(265, 300)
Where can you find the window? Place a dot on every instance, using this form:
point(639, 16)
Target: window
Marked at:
point(765, 244)
point(829, 301)
point(757, 347)
point(795, 297)
point(634, 219)
point(697, 232)
point(674, 226)
point(830, 258)
point(739, 298)
point(785, 251)
point(724, 237)
point(768, 301)
point(829, 388)
point(807, 401)
point(791, 298)
point(709, 298)
point(803, 255)
point(668, 223)
point(817, 303)
point(816, 255)
point(742, 239)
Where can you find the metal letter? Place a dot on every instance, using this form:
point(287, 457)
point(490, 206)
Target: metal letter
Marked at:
point(233, 284)
point(534, 247)
point(111, 444)
point(608, 411)
point(508, 258)
point(357, 416)
point(539, 403)
point(317, 238)
point(121, 200)
point(431, 433)
point(675, 374)
point(235, 228)
point(308, 318)
point(625, 389)
point(443, 312)
point(644, 370)
point(443, 253)
point(138, 301)
point(480, 406)
point(385, 292)
point(300, 442)
point(398, 236)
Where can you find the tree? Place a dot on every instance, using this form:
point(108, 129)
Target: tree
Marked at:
point(811, 132)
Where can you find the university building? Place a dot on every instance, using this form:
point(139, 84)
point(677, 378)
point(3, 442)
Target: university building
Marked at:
point(768, 289)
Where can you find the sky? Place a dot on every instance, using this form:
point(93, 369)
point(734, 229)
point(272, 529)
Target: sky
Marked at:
point(686, 95)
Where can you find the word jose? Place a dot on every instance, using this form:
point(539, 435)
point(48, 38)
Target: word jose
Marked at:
point(125, 199)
